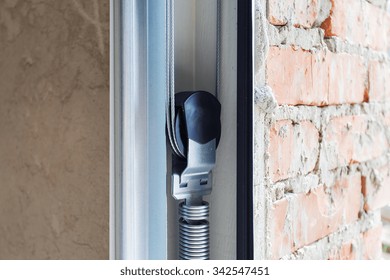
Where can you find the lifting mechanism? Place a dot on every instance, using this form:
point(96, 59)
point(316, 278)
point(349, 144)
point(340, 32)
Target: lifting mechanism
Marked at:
point(194, 131)
point(197, 130)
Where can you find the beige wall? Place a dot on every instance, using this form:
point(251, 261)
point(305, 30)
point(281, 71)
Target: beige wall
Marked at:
point(54, 129)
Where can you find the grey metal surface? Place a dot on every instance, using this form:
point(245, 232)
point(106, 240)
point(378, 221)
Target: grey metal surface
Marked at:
point(194, 232)
point(223, 198)
point(137, 130)
point(156, 154)
point(195, 181)
point(195, 45)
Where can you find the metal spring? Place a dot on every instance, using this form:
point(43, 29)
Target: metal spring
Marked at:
point(194, 232)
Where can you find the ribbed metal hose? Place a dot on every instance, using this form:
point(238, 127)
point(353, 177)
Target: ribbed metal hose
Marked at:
point(194, 232)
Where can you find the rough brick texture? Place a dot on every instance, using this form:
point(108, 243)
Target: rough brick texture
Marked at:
point(301, 219)
point(364, 246)
point(300, 13)
point(293, 75)
point(327, 161)
point(359, 22)
point(345, 252)
point(352, 139)
point(379, 77)
point(376, 189)
point(371, 241)
point(289, 143)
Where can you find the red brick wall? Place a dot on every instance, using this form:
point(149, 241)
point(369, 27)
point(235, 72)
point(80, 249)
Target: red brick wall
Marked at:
point(327, 143)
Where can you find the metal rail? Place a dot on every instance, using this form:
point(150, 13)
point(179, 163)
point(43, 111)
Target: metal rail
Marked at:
point(138, 223)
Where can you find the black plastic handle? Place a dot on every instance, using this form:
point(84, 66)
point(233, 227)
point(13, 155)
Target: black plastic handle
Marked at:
point(197, 118)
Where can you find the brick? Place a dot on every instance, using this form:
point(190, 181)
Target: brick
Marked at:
point(345, 252)
point(301, 219)
point(320, 78)
point(281, 232)
point(351, 139)
point(379, 77)
point(372, 243)
point(300, 13)
point(293, 149)
point(359, 22)
point(376, 191)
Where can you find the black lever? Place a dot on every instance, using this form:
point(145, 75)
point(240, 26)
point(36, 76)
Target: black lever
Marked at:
point(197, 119)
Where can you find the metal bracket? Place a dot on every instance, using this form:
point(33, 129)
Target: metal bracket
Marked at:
point(195, 180)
